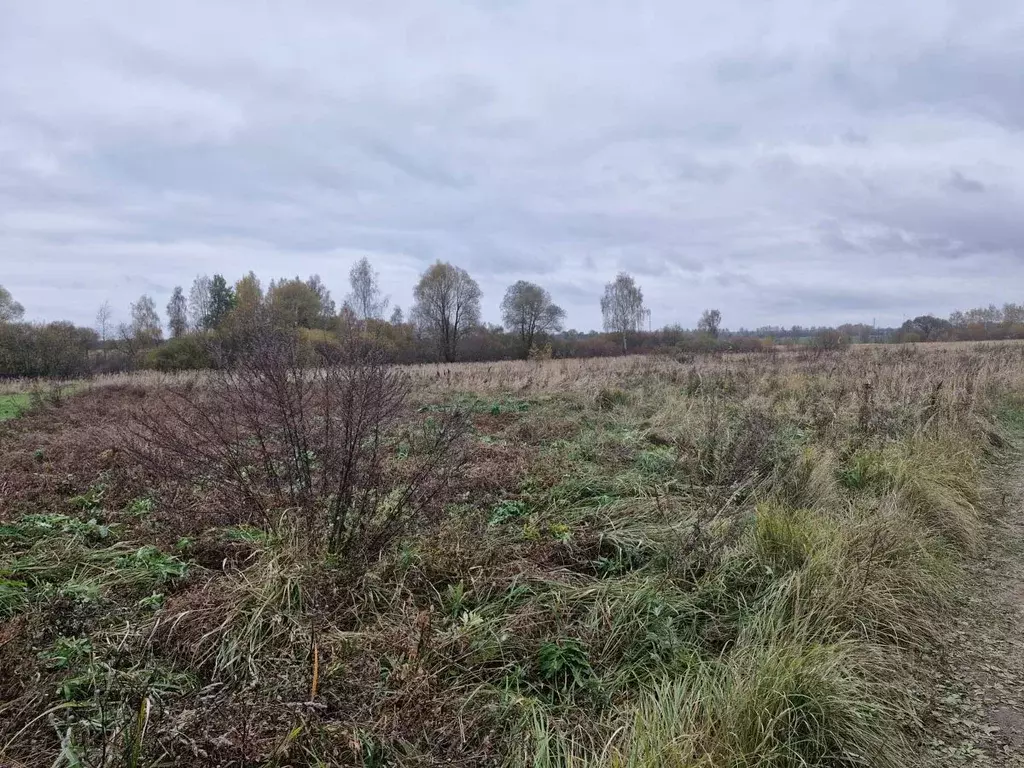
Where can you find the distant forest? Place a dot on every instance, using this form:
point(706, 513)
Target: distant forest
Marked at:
point(200, 328)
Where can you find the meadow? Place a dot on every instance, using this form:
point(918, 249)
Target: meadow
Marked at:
point(723, 560)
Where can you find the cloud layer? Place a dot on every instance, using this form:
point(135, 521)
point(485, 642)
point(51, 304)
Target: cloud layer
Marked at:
point(792, 161)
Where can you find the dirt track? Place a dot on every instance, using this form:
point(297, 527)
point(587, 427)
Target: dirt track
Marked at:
point(977, 718)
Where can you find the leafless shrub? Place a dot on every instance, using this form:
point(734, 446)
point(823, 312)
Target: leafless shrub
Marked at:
point(327, 448)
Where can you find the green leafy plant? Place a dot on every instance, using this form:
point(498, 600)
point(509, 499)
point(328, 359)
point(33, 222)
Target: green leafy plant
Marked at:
point(66, 652)
point(141, 506)
point(560, 531)
point(184, 545)
point(454, 599)
point(248, 534)
point(92, 499)
point(158, 565)
point(507, 510)
point(53, 524)
point(152, 602)
point(564, 664)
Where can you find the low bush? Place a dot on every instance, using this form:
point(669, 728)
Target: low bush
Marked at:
point(326, 447)
point(185, 353)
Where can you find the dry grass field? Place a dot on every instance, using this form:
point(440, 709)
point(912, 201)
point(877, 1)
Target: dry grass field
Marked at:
point(728, 561)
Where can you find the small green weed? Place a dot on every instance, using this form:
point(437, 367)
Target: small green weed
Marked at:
point(140, 507)
point(152, 602)
point(508, 510)
point(608, 566)
point(861, 471)
point(454, 599)
point(66, 652)
point(509, 406)
point(91, 500)
point(75, 590)
point(160, 567)
point(373, 753)
point(565, 664)
point(560, 531)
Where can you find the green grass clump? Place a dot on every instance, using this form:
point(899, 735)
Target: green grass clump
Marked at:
point(256, 619)
point(48, 557)
point(774, 702)
point(13, 405)
point(609, 397)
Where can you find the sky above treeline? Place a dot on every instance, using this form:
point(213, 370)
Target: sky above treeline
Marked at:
point(787, 161)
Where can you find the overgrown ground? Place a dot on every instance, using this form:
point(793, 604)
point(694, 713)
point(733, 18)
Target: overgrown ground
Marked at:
point(724, 562)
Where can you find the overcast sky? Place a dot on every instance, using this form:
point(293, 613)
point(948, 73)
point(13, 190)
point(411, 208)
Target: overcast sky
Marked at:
point(787, 161)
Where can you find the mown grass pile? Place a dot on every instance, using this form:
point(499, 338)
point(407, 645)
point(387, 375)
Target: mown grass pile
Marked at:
point(728, 562)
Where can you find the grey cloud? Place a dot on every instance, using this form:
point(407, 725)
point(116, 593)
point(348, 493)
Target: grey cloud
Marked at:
point(741, 69)
point(691, 169)
point(566, 289)
point(786, 162)
point(817, 299)
point(729, 279)
point(836, 240)
point(851, 136)
point(962, 183)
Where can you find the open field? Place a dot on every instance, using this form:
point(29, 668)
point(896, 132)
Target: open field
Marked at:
point(732, 561)
point(576, 373)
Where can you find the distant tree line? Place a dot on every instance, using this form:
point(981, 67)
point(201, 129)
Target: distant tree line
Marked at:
point(980, 324)
point(206, 323)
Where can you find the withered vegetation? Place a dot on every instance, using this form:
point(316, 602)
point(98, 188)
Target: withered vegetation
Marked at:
point(720, 561)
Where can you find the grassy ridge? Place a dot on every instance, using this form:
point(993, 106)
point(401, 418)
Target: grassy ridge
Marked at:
point(718, 564)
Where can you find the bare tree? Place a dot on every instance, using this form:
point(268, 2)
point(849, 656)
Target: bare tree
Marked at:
point(10, 310)
point(177, 313)
point(365, 299)
point(397, 318)
point(447, 306)
point(199, 303)
point(103, 317)
point(528, 311)
point(1013, 314)
point(623, 306)
point(709, 322)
